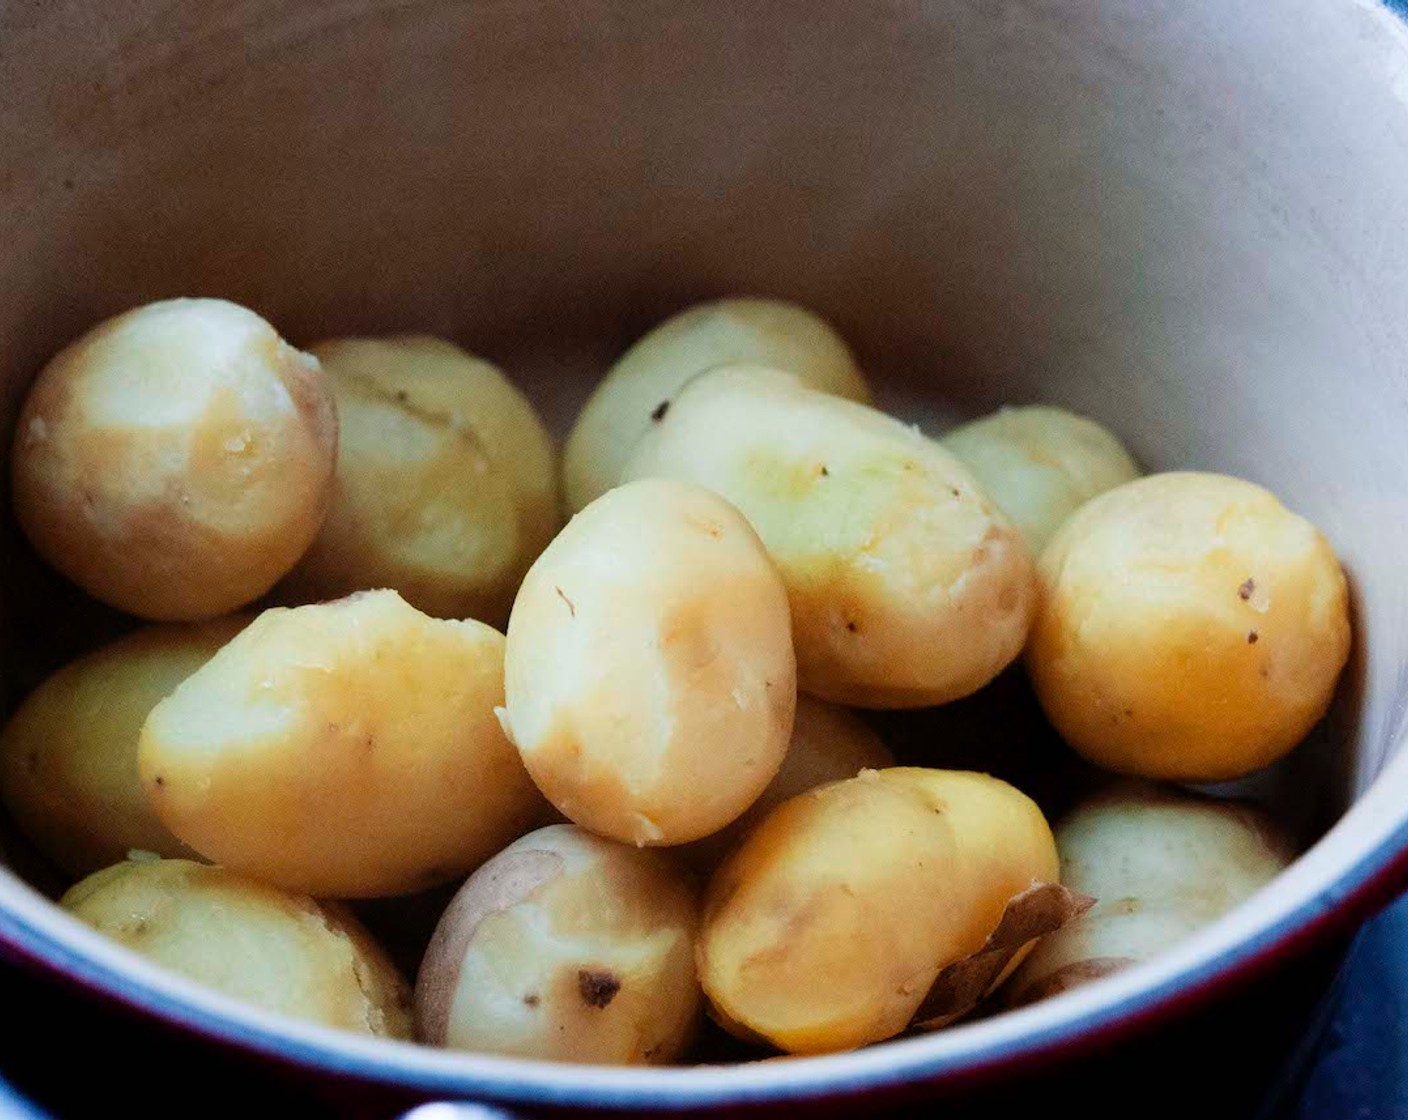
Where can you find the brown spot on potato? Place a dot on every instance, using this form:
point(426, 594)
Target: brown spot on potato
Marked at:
point(1252, 637)
point(658, 412)
point(597, 987)
point(1245, 591)
point(571, 606)
point(531, 1000)
point(159, 780)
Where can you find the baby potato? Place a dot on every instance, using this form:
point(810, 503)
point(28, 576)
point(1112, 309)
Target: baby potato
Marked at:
point(346, 749)
point(829, 927)
point(640, 385)
point(176, 460)
point(1005, 845)
point(1039, 464)
point(650, 675)
point(446, 486)
point(1190, 627)
point(68, 757)
point(828, 744)
point(1163, 863)
point(825, 929)
point(567, 947)
point(908, 588)
point(281, 952)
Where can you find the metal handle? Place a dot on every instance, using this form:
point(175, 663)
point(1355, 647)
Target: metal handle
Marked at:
point(460, 1110)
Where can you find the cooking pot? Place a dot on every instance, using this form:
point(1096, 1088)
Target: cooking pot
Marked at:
point(1187, 218)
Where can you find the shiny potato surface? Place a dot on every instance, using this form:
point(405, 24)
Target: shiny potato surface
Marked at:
point(347, 749)
point(177, 460)
point(908, 588)
point(68, 757)
point(446, 486)
point(280, 951)
point(569, 947)
point(650, 675)
point(641, 384)
point(1190, 627)
point(1039, 464)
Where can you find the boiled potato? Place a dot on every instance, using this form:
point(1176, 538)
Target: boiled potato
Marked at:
point(1005, 845)
point(68, 758)
point(1039, 464)
point(176, 460)
point(908, 588)
point(281, 952)
point(1190, 627)
point(827, 928)
point(650, 675)
point(446, 485)
point(828, 744)
point(347, 749)
point(638, 388)
point(1162, 863)
point(568, 947)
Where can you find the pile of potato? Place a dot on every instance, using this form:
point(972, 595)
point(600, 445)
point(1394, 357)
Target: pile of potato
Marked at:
point(649, 781)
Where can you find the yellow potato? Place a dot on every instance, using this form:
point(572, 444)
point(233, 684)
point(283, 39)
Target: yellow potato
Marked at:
point(568, 947)
point(640, 385)
point(446, 484)
point(1190, 627)
point(827, 928)
point(68, 758)
point(176, 460)
point(348, 749)
point(650, 675)
point(1039, 464)
point(908, 588)
point(828, 744)
point(1005, 845)
point(1162, 864)
point(282, 952)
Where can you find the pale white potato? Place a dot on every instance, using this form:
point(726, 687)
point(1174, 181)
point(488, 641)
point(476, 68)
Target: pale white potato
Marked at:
point(446, 486)
point(176, 460)
point(282, 952)
point(568, 947)
point(347, 749)
point(68, 757)
point(828, 743)
point(639, 387)
point(1039, 464)
point(1161, 863)
point(908, 588)
point(650, 675)
point(1190, 627)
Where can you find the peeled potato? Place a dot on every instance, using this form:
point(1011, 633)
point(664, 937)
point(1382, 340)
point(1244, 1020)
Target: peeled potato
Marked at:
point(1190, 627)
point(68, 757)
point(446, 485)
point(641, 384)
point(829, 927)
point(907, 587)
point(650, 675)
point(1162, 863)
point(176, 460)
point(1039, 464)
point(346, 750)
point(568, 947)
point(828, 744)
point(282, 952)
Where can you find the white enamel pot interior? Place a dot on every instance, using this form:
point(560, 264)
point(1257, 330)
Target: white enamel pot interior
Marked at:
point(1188, 218)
